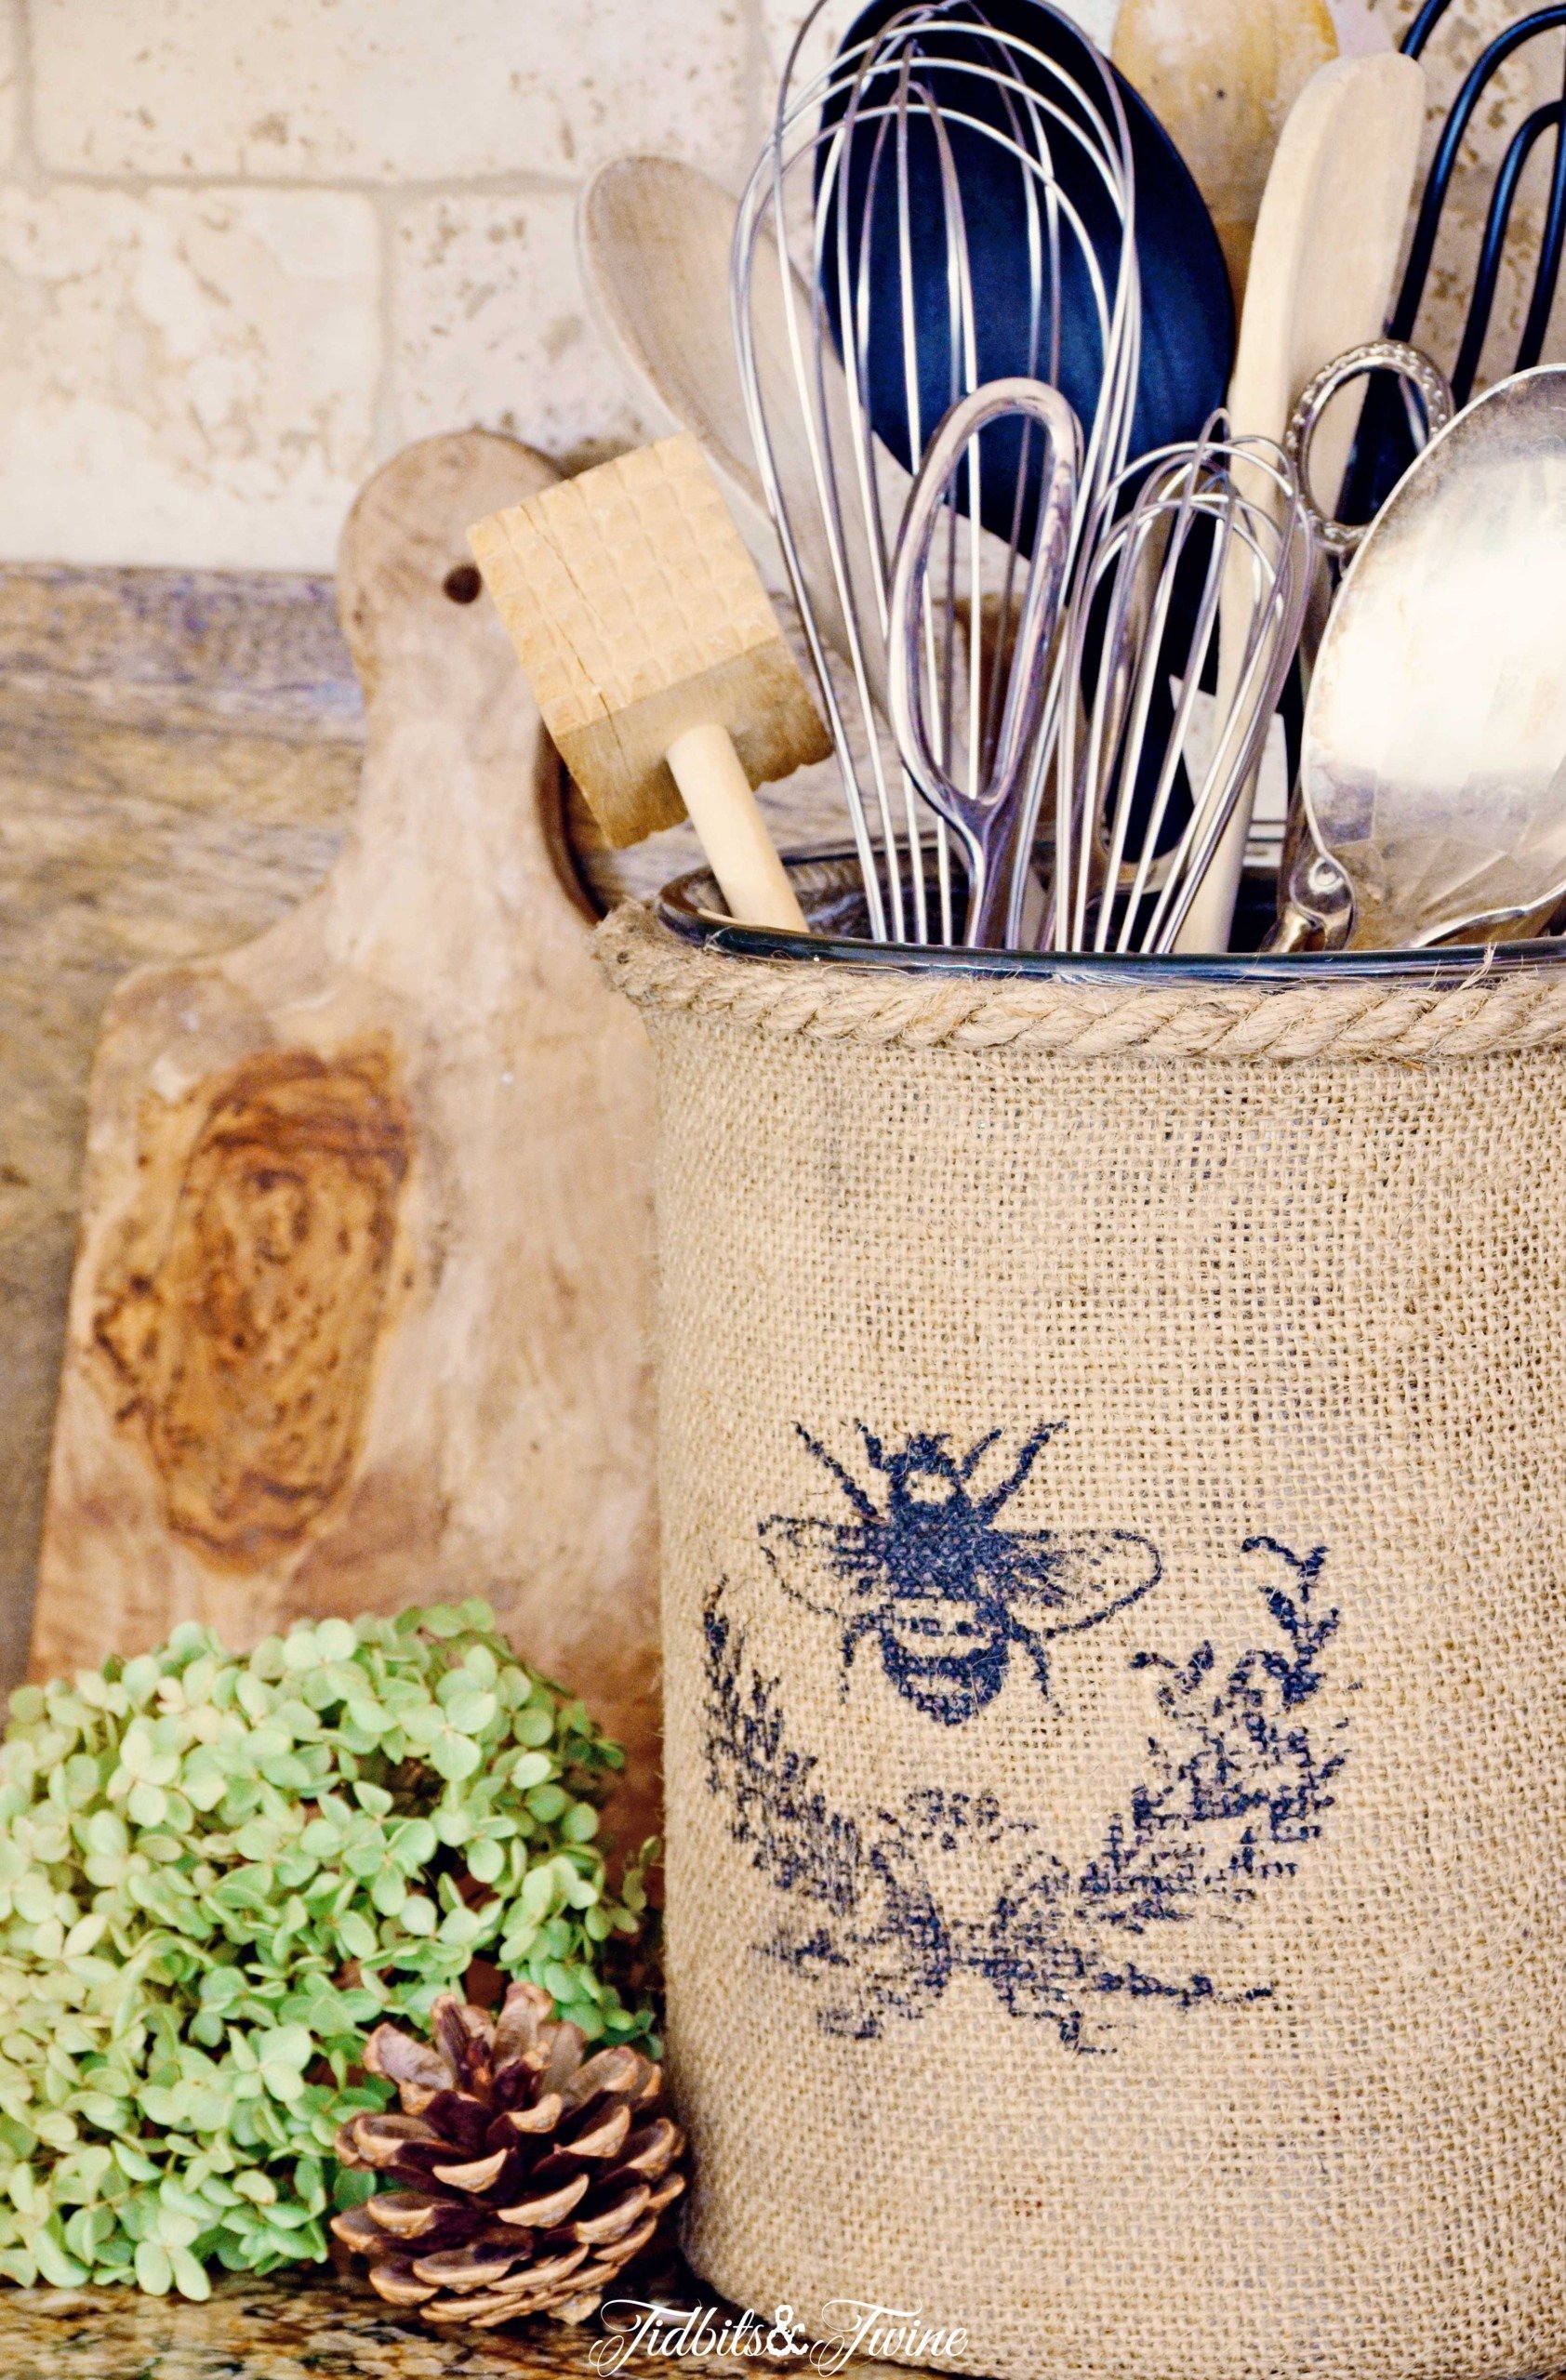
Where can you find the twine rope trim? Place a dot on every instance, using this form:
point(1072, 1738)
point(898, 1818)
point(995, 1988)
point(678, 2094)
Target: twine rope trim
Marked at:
point(1486, 1014)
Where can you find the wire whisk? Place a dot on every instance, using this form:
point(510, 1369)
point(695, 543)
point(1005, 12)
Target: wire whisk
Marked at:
point(1141, 808)
point(1389, 435)
point(870, 164)
point(982, 804)
point(1546, 121)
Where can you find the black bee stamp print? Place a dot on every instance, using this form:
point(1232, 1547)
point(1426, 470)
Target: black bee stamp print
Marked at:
point(926, 1569)
point(885, 1907)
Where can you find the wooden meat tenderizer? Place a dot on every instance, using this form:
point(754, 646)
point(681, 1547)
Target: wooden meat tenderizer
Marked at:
point(658, 660)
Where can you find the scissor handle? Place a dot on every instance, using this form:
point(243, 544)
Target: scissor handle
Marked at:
point(1341, 538)
point(977, 814)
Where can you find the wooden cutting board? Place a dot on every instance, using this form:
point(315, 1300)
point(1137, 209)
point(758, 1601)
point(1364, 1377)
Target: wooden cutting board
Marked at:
point(362, 1300)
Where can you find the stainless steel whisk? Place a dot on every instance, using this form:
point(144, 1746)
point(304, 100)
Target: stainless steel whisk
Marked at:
point(983, 803)
point(1127, 867)
point(933, 80)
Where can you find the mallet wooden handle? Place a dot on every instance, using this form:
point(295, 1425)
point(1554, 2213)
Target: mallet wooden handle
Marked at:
point(727, 817)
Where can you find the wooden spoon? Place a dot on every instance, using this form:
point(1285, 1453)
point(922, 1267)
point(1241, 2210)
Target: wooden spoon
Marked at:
point(655, 239)
point(1221, 76)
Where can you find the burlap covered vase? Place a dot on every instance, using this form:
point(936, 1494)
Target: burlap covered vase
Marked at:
point(1114, 1520)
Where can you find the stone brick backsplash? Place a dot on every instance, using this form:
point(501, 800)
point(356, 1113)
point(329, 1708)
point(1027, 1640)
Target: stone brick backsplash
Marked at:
point(384, 90)
point(184, 373)
point(490, 325)
point(249, 247)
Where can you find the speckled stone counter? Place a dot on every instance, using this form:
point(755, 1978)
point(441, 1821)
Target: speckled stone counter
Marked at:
point(304, 2328)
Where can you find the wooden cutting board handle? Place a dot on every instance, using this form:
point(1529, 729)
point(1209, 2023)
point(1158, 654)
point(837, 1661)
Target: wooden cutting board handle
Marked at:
point(361, 1312)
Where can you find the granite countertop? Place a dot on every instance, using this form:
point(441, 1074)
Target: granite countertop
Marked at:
point(308, 2326)
point(285, 2328)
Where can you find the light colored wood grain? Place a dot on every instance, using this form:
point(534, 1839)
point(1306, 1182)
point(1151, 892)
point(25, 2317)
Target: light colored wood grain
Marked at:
point(1221, 76)
point(360, 1313)
point(1328, 238)
point(727, 817)
point(655, 237)
point(656, 659)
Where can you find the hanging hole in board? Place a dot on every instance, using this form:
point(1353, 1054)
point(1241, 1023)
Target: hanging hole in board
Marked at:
point(462, 584)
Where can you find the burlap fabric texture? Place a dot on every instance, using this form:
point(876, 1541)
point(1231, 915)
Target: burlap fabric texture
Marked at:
point(1114, 1503)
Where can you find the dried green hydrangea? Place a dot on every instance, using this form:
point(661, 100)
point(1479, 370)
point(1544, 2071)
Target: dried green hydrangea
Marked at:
point(217, 1874)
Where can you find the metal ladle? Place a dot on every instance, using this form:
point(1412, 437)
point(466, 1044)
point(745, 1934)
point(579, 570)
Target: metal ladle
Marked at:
point(1434, 761)
point(1315, 902)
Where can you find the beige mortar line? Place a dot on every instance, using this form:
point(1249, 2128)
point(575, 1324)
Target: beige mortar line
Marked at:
point(386, 413)
point(756, 68)
point(521, 182)
point(387, 201)
point(25, 167)
point(515, 185)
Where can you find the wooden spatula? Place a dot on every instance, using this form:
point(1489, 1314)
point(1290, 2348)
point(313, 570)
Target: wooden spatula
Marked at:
point(654, 237)
point(1326, 247)
point(362, 1306)
point(658, 660)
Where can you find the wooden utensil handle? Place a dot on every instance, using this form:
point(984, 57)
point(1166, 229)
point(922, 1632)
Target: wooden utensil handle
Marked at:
point(727, 817)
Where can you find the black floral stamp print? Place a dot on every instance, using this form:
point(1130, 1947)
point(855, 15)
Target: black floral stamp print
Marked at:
point(1236, 1784)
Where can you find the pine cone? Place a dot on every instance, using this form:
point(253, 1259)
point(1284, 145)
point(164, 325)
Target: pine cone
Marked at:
point(530, 2177)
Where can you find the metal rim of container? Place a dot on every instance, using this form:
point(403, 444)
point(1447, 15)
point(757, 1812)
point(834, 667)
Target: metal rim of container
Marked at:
point(689, 906)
